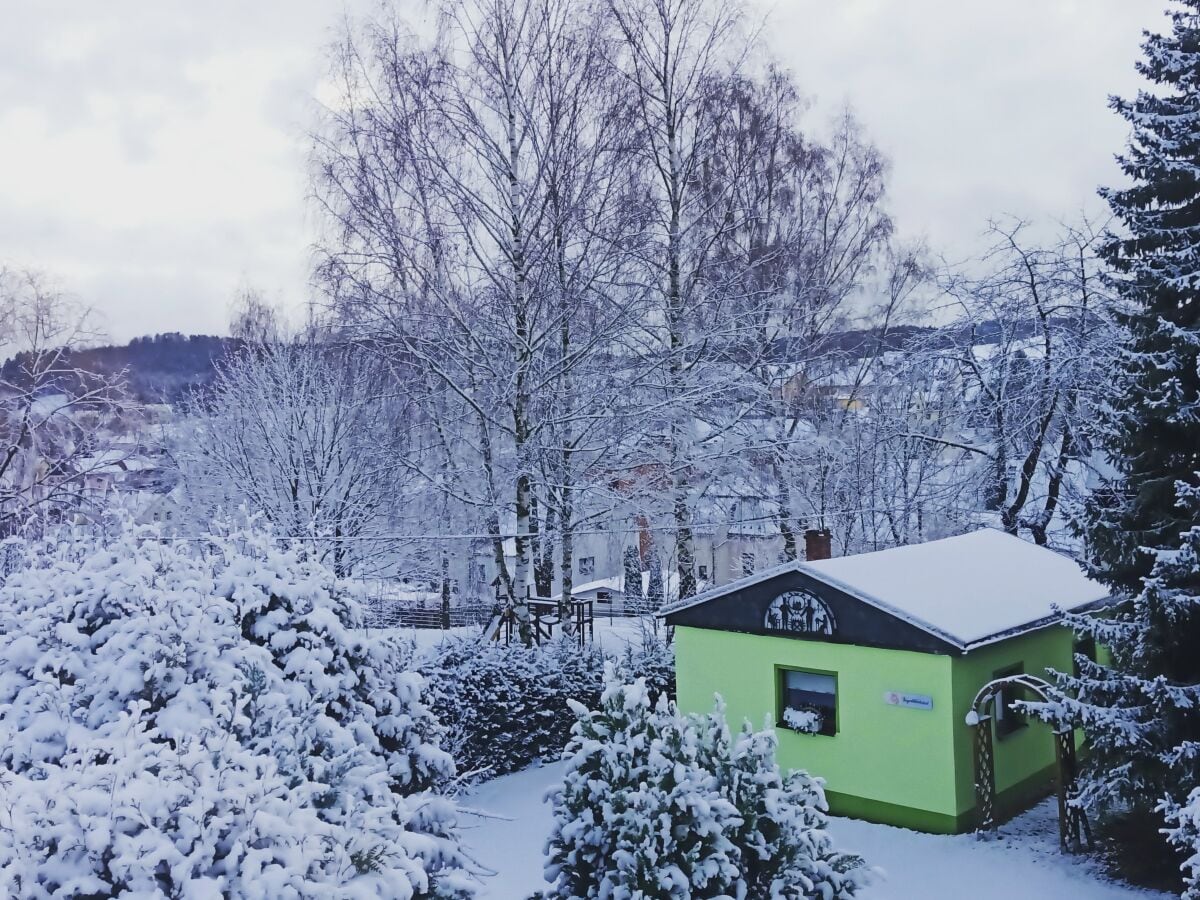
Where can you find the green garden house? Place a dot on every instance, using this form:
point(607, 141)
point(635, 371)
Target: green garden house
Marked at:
point(868, 667)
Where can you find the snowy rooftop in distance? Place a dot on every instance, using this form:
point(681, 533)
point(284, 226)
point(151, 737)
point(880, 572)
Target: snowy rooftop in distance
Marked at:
point(615, 584)
point(967, 589)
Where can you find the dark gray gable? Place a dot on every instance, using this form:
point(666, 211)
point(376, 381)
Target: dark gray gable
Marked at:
point(796, 605)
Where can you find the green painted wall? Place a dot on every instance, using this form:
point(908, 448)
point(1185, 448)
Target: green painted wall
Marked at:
point(1025, 759)
point(906, 766)
point(886, 754)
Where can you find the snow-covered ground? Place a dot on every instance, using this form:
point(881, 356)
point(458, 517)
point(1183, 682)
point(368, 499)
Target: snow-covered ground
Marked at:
point(1024, 863)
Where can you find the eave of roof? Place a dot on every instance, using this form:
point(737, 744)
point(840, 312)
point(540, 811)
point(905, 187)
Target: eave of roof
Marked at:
point(803, 569)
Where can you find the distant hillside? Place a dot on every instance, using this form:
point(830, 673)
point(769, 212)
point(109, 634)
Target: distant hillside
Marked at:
point(161, 368)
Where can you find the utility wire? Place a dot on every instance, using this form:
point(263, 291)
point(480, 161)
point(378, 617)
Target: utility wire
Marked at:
point(406, 536)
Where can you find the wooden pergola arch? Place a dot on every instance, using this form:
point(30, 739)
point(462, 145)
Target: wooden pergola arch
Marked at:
point(1073, 828)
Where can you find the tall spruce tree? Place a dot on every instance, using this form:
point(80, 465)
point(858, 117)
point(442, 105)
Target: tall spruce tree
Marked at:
point(1140, 710)
point(1154, 432)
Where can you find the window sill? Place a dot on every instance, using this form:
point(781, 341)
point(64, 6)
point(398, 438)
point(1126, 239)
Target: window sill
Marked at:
point(783, 726)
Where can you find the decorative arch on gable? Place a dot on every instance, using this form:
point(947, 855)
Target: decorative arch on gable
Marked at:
point(800, 612)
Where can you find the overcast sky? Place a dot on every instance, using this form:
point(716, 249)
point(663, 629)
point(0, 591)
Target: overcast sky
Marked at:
point(152, 152)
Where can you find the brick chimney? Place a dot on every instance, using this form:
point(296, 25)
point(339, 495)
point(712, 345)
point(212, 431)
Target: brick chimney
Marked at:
point(818, 544)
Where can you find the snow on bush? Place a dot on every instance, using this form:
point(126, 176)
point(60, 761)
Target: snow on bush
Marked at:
point(656, 804)
point(203, 723)
point(506, 707)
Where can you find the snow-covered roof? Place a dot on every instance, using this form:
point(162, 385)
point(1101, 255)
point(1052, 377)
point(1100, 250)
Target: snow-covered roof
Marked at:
point(967, 589)
point(111, 462)
point(616, 584)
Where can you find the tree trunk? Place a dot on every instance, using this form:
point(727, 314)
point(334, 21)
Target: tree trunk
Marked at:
point(784, 518)
point(1041, 525)
point(566, 569)
point(1010, 517)
point(445, 590)
point(684, 562)
point(521, 424)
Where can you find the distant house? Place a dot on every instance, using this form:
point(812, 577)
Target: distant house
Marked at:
point(838, 390)
point(868, 665)
point(744, 540)
point(608, 595)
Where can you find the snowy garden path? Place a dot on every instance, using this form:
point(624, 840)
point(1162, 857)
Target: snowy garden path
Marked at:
point(1025, 862)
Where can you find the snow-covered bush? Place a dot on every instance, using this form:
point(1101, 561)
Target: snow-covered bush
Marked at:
point(652, 660)
point(203, 722)
point(656, 804)
point(506, 707)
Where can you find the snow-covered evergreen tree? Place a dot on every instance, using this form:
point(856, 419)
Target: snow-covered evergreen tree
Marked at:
point(785, 850)
point(656, 804)
point(505, 707)
point(655, 590)
point(633, 579)
point(1174, 732)
point(202, 722)
point(1142, 712)
point(1154, 432)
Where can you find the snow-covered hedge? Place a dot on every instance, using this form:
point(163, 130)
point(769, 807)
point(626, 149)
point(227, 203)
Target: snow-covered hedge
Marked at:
point(506, 707)
point(660, 805)
point(203, 722)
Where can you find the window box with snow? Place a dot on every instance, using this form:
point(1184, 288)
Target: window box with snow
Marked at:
point(808, 701)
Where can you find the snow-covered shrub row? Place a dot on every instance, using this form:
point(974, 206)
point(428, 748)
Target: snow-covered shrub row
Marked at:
point(660, 805)
point(203, 722)
point(506, 707)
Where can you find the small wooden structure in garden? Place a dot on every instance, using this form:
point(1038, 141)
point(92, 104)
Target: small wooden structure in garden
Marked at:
point(544, 617)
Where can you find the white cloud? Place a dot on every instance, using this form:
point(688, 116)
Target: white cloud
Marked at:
point(984, 108)
point(153, 154)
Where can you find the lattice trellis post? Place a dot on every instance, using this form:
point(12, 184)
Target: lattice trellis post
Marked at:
point(1073, 828)
point(985, 774)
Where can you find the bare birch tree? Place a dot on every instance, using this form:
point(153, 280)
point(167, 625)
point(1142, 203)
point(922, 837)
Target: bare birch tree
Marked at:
point(475, 191)
point(812, 254)
point(1034, 331)
point(54, 414)
point(677, 55)
point(300, 431)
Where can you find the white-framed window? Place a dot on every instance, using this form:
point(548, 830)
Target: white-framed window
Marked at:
point(808, 701)
point(586, 565)
point(702, 572)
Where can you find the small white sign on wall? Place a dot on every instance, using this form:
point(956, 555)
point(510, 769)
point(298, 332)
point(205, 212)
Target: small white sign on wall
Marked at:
point(908, 701)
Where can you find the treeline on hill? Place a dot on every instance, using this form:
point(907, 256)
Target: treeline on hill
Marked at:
point(167, 367)
point(159, 368)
